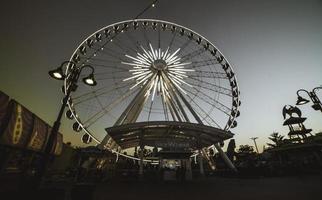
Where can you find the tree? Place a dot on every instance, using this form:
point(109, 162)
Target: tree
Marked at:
point(277, 140)
point(245, 149)
point(246, 156)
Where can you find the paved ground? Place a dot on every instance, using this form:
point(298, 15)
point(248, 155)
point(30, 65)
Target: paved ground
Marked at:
point(216, 188)
point(294, 188)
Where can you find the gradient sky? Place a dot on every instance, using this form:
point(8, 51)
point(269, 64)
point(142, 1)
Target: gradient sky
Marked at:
point(275, 48)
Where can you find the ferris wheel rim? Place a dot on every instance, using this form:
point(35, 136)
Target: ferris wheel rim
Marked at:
point(70, 106)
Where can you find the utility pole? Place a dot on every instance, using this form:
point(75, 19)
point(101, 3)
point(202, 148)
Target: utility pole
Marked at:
point(254, 139)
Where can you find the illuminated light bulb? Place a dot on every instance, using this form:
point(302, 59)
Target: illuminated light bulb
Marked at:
point(58, 75)
point(89, 80)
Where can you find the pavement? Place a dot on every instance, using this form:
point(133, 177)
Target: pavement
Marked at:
point(307, 187)
point(276, 188)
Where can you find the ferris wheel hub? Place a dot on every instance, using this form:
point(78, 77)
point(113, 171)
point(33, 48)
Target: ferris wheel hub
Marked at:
point(159, 65)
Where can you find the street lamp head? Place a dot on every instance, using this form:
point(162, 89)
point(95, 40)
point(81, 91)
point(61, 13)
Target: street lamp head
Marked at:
point(301, 100)
point(90, 80)
point(317, 106)
point(57, 73)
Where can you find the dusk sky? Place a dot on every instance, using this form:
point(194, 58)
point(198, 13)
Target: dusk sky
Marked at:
point(275, 48)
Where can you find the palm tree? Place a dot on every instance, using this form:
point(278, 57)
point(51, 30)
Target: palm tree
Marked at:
point(277, 139)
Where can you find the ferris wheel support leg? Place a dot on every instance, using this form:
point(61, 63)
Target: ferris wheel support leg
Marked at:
point(124, 117)
point(141, 162)
point(175, 114)
point(188, 170)
point(210, 160)
point(200, 160)
point(104, 142)
point(225, 157)
point(221, 152)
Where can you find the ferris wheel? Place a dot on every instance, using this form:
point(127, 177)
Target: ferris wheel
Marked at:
point(150, 70)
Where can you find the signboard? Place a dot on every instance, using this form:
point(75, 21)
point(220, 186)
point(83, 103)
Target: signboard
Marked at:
point(38, 135)
point(4, 100)
point(173, 144)
point(19, 127)
point(59, 144)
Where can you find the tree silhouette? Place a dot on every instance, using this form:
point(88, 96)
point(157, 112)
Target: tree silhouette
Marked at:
point(277, 140)
point(245, 156)
point(245, 149)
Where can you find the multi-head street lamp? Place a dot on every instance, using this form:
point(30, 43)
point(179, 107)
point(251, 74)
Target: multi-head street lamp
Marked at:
point(317, 105)
point(59, 74)
point(72, 78)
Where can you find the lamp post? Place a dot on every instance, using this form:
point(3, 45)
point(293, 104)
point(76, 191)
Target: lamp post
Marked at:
point(317, 105)
point(72, 80)
point(254, 139)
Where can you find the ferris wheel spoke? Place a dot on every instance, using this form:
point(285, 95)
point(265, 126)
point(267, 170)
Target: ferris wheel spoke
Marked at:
point(208, 61)
point(221, 106)
point(147, 40)
point(96, 94)
point(119, 67)
point(220, 88)
point(209, 72)
point(110, 73)
point(90, 92)
point(165, 110)
point(159, 38)
point(151, 104)
point(203, 65)
point(176, 109)
point(211, 122)
point(203, 111)
point(173, 116)
point(178, 103)
point(215, 75)
point(184, 45)
point(114, 72)
point(205, 69)
point(206, 118)
point(107, 66)
point(103, 60)
point(133, 41)
point(107, 108)
point(98, 49)
point(172, 40)
point(118, 78)
point(109, 53)
point(127, 46)
point(193, 54)
point(124, 48)
point(211, 89)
